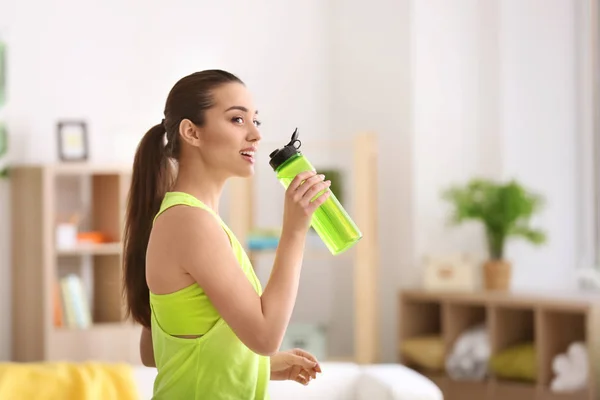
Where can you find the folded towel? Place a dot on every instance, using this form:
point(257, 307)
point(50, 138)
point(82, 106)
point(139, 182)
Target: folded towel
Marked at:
point(571, 369)
point(66, 381)
point(470, 354)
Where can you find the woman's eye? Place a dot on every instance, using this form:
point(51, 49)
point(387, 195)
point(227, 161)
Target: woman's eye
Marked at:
point(240, 120)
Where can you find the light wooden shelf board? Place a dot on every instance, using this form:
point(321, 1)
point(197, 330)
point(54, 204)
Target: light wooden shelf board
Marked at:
point(91, 249)
point(98, 326)
point(555, 300)
point(78, 168)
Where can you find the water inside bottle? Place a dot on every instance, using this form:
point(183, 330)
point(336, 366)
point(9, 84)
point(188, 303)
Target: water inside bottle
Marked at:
point(332, 223)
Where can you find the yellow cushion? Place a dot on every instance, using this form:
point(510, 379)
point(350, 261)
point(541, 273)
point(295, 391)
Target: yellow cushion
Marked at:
point(426, 351)
point(516, 362)
point(67, 381)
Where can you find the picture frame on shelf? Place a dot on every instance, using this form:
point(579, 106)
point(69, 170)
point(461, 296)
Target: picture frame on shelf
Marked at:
point(72, 139)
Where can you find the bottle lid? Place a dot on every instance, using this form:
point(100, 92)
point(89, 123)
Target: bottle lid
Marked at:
point(284, 153)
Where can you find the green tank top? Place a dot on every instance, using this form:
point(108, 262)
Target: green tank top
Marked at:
point(217, 365)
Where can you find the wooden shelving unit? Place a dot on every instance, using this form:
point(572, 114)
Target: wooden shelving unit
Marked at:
point(363, 181)
point(551, 322)
point(41, 197)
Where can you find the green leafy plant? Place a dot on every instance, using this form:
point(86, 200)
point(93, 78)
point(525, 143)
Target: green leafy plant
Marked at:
point(505, 210)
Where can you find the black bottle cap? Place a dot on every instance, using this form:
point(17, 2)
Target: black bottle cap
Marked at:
point(281, 155)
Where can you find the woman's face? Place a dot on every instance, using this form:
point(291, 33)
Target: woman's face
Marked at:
point(227, 141)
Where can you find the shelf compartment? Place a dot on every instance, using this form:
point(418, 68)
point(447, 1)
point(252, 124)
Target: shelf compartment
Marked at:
point(511, 326)
point(100, 280)
point(558, 329)
point(424, 316)
point(106, 203)
point(107, 304)
point(425, 322)
point(89, 203)
point(459, 317)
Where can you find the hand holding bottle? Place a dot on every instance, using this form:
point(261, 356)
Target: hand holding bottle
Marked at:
point(298, 207)
point(330, 220)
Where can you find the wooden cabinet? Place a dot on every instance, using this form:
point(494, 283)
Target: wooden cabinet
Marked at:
point(44, 197)
point(550, 322)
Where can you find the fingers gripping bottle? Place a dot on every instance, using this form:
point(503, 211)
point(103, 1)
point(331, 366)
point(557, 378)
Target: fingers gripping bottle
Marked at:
point(331, 222)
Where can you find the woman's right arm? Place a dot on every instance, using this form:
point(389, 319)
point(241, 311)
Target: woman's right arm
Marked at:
point(205, 252)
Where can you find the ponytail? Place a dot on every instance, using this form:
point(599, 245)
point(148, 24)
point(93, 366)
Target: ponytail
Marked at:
point(151, 179)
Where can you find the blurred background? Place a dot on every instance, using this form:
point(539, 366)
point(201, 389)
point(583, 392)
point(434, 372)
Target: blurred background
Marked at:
point(448, 92)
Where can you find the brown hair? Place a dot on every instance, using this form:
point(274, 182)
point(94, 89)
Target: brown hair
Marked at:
point(153, 175)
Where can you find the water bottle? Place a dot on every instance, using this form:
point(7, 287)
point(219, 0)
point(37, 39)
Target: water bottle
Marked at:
point(331, 222)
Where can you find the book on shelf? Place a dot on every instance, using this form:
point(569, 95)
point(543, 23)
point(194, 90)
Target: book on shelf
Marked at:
point(71, 307)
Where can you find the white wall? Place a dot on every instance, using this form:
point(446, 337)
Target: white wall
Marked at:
point(113, 62)
point(540, 58)
point(455, 93)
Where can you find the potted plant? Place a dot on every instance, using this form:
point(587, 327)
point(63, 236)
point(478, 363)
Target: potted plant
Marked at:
point(505, 210)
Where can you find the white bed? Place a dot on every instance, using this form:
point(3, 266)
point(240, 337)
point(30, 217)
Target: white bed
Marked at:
point(339, 381)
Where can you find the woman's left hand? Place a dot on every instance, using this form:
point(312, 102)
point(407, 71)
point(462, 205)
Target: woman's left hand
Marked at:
point(296, 365)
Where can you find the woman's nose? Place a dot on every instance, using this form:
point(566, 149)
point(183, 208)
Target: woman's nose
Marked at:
point(254, 134)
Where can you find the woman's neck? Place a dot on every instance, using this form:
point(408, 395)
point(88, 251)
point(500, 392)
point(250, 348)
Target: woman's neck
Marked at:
point(195, 179)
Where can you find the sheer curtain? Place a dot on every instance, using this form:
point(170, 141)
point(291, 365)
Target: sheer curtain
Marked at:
point(589, 182)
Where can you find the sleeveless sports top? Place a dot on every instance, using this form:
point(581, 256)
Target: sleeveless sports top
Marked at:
point(216, 365)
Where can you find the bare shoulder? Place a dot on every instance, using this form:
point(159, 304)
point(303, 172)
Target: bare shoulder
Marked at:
point(193, 235)
point(185, 226)
point(181, 239)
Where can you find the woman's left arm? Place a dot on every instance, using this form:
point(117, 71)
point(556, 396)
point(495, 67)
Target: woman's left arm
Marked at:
point(146, 349)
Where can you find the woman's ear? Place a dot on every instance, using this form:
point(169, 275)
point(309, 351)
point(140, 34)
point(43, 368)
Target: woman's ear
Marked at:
point(189, 132)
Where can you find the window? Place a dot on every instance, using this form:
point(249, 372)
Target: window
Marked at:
point(589, 145)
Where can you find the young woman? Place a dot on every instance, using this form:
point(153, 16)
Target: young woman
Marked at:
point(208, 326)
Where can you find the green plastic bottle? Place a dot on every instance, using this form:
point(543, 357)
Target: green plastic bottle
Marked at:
point(331, 222)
